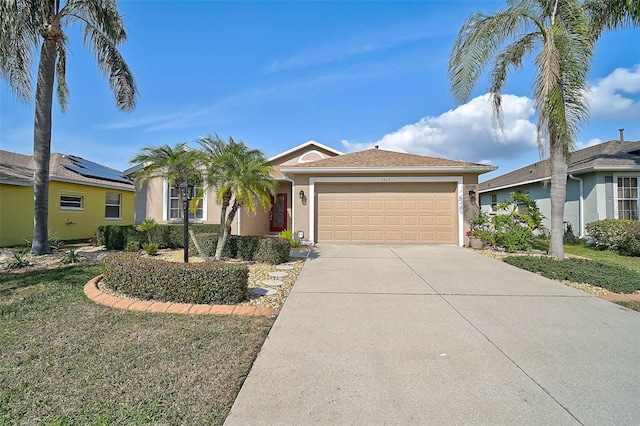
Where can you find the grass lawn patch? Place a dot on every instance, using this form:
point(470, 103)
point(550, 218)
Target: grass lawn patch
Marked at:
point(631, 305)
point(615, 278)
point(67, 360)
point(606, 256)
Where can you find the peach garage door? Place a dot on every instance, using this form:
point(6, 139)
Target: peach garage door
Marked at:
point(387, 213)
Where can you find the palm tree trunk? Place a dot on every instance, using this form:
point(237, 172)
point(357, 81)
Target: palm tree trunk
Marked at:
point(222, 240)
point(558, 196)
point(42, 146)
point(227, 229)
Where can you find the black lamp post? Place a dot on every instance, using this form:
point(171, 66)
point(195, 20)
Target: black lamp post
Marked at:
point(186, 190)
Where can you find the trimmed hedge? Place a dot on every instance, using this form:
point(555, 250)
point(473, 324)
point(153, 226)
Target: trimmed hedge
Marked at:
point(273, 250)
point(612, 277)
point(246, 247)
point(116, 237)
point(152, 279)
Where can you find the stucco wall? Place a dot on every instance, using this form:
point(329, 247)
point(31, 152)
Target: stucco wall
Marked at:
point(16, 214)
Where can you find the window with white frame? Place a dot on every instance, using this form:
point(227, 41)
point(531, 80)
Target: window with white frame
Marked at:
point(112, 205)
point(176, 207)
point(71, 202)
point(628, 198)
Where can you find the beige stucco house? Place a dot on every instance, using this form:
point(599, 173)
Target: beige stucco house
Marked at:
point(371, 196)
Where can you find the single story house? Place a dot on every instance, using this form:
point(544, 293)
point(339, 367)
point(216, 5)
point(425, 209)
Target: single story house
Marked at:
point(82, 196)
point(602, 183)
point(371, 196)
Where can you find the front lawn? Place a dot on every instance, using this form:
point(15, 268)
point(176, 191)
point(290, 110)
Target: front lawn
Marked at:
point(67, 360)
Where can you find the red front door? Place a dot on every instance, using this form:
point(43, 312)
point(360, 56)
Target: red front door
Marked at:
point(278, 213)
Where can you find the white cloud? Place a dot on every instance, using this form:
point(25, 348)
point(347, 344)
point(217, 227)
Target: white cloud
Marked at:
point(616, 95)
point(590, 142)
point(468, 132)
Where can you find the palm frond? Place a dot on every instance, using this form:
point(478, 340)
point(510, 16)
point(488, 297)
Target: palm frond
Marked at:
point(61, 72)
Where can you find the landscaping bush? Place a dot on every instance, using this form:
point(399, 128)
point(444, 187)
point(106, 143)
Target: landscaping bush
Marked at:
point(247, 246)
point(273, 250)
point(116, 237)
point(132, 246)
point(612, 277)
point(208, 243)
point(152, 279)
point(620, 235)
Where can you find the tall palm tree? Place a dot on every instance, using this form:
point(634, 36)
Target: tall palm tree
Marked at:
point(27, 24)
point(559, 31)
point(612, 14)
point(177, 165)
point(241, 177)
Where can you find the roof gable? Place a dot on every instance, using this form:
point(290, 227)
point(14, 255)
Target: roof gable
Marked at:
point(304, 153)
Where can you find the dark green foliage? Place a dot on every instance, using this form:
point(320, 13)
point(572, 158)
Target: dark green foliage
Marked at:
point(273, 250)
point(208, 243)
point(612, 277)
point(617, 234)
point(151, 248)
point(247, 246)
point(132, 246)
point(116, 237)
point(152, 279)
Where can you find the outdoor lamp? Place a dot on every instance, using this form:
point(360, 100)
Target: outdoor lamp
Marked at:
point(301, 194)
point(472, 194)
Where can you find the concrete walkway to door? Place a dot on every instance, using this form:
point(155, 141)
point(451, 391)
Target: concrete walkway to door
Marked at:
point(375, 334)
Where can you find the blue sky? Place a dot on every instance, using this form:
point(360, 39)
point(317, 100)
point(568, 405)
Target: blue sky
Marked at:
point(277, 74)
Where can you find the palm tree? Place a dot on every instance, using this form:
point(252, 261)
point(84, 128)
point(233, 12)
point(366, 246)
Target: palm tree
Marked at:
point(612, 14)
point(177, 165)
point(559, 31)
point(24, 26)
point(241, 177)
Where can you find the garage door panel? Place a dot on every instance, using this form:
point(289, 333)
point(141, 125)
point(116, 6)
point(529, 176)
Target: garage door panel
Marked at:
point(391, 213)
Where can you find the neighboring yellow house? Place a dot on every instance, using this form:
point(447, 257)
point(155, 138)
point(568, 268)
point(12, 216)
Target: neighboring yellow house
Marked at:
point(82, 196)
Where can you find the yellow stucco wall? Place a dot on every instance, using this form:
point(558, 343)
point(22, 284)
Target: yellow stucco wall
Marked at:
point(16, 212)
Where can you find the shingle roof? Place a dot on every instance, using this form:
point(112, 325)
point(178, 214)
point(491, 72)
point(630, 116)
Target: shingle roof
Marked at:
point(612, 154)
point(18, 168)
point(378, 158)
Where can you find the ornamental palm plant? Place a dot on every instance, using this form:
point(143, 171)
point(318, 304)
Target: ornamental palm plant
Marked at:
point(241, 176)
point(26, 25)
point(612, 14)
point(558, 30)
point(178, 164)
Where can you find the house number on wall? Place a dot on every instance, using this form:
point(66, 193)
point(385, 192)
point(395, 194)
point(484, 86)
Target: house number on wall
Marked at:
point(385, 179)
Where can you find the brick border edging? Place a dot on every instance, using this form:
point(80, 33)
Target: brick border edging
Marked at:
point(92, 291)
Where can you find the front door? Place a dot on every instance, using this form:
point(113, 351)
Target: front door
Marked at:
point(278, 213)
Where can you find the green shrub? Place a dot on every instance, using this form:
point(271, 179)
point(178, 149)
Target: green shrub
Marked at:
point(247, 246)
point(116, 237)
point(295, 243)
point(608, 233)
point(71, 256)
point(132, 246)
point(20, 259)
point(273, 250)
point(287, 234)
point(612, 277)
point(153, 279)
point(620, 235)
point(151, 248)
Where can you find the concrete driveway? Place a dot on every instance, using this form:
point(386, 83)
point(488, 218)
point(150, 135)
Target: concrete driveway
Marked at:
point(410, 334)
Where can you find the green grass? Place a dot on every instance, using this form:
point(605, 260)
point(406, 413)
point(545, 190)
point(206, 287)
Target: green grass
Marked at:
point(615, 278)
point(631, 305)
point(605, 256)
point(66, 360)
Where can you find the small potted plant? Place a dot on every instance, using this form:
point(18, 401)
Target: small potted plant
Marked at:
point(475, 242)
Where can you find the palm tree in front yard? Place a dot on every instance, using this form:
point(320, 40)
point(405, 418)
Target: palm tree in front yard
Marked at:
point(241, 176)
point(27, 25)
point(559, 31)
point(178, 165)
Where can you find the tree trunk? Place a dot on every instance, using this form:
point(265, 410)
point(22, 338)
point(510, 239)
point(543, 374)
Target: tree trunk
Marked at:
point(222, 241)
point(223, 227)
point(202, 254)
point(558, 198)
point(42, 147)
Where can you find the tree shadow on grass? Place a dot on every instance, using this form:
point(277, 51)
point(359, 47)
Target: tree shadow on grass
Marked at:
point(72, 275)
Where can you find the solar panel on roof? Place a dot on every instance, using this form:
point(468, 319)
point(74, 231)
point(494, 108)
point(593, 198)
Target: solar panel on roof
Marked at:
point(94, 170)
